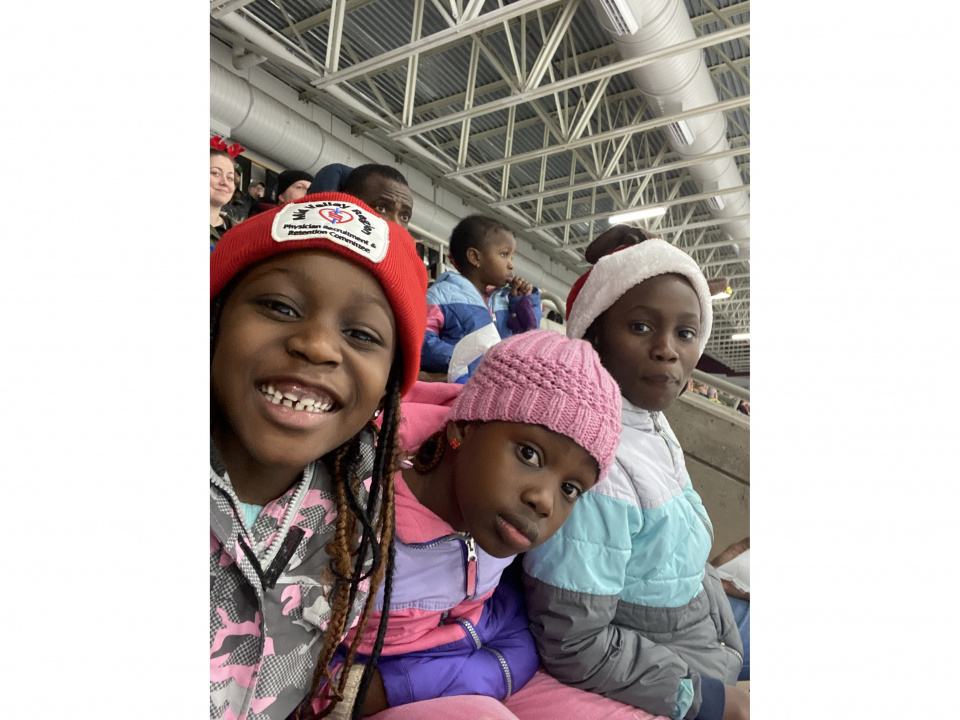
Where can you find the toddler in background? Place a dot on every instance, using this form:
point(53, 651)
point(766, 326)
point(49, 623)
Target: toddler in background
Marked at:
point(481, 304)
point(621, 600)
point(317, 317)
point(499, 465)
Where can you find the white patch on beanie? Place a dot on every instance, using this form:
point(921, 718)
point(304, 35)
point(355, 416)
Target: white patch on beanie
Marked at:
point(341, 222)
point(615, 274)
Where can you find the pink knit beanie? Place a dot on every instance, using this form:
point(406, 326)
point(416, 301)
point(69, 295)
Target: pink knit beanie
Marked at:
point(543, 378)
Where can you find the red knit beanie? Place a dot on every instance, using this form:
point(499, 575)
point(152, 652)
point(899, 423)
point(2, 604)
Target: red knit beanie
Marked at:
point(344, 225)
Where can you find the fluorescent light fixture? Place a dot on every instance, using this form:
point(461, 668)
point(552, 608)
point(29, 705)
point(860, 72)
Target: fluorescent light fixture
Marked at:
point(740, 336)
point(624, 22)
point(637, 215)
point(723, 294)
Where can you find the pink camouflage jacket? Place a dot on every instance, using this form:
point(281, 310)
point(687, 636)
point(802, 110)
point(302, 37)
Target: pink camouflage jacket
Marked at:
point(269, 590)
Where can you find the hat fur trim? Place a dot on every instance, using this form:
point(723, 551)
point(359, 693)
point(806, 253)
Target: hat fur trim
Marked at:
point(615, 274)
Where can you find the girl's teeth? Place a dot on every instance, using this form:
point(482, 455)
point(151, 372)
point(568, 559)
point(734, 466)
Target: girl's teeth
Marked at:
point(292, 401)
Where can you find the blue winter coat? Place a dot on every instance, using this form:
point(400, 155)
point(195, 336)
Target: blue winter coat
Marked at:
point(455, 309)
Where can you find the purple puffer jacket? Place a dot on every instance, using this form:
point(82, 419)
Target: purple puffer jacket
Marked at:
point(453, 629)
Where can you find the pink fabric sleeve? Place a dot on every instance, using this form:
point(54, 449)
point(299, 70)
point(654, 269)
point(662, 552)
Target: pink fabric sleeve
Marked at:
point(434, 319)
point(546, 698)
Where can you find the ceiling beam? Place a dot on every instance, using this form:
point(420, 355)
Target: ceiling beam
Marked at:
point(664, 203)
point(599, 137)
point(623, 177)
point(435, 41)
point(572, 82)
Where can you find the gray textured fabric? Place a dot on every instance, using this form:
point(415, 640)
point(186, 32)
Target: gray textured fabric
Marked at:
point(632, 653)
point(264, 641)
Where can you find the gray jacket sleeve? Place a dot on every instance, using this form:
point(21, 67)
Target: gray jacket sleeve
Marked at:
point(580, 646)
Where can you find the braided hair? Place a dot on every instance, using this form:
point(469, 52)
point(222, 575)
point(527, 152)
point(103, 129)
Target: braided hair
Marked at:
point(375, 519)
point(349, 572)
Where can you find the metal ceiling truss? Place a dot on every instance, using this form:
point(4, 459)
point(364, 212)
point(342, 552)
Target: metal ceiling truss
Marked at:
point(531, 102)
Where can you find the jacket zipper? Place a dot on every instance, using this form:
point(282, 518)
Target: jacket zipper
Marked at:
point(245, 538)
point(471, 631)
point(666, 439)
point(506, 671)
point(472, 562)
point(468, 626)
point(732, 650)
point(471, 578)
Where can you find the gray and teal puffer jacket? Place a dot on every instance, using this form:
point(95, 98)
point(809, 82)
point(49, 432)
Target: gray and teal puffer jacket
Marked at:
point(622, 601)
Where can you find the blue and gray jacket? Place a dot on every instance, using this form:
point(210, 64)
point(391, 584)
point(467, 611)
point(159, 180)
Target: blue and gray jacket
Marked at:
point(455, 310)
point(622, 601)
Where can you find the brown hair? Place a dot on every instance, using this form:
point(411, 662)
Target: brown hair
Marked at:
point(348, 572)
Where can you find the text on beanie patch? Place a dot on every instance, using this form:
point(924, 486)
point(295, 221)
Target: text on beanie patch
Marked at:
point(341, 222)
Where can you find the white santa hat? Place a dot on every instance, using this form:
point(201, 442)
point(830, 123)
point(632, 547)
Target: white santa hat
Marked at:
point(625, 268)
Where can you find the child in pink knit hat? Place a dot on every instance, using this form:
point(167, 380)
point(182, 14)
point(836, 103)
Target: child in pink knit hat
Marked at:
point(497, 466)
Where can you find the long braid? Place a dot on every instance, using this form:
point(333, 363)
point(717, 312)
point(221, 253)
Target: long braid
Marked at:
point(339, 551)
point(348, 572)
point(430, 453)
point(388, 518)
point(390, 459)
point(369, 532)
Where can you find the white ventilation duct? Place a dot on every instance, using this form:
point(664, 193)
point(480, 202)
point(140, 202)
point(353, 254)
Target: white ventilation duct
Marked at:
point(681, 82)
point(269, 126)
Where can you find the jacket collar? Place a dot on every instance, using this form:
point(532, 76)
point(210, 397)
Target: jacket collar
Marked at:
point(637, 417)
point(461, 283)
point(415, 522)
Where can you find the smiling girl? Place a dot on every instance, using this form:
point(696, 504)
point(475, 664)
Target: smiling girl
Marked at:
point(317, 314)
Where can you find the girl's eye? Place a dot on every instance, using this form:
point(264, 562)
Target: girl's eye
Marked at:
point(571, 491)
point(278, 307)
point(687, 335)
point(639, 327)
point(364, 336)
point(529, 455)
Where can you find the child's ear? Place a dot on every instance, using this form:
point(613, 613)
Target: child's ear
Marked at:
point(473, 257)
point(592, 336)
point(457, 430)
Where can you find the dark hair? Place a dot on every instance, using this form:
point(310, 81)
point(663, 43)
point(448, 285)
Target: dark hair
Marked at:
point(471, 232)
point(376, 522)
point(358, 177)
point(254, 184)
